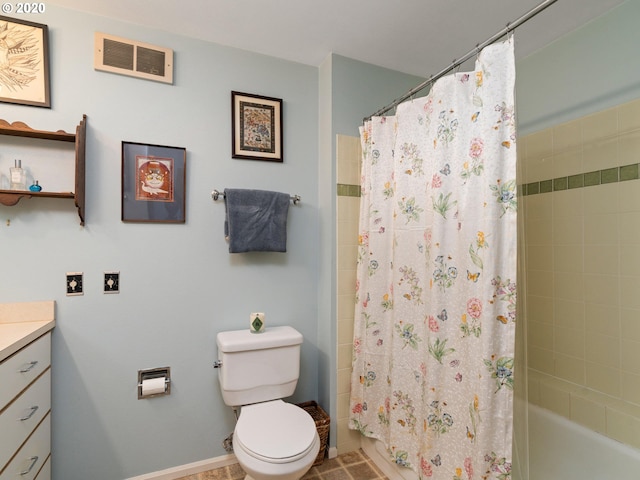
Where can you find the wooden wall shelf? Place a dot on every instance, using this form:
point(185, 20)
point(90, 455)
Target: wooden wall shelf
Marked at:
point(20, 129)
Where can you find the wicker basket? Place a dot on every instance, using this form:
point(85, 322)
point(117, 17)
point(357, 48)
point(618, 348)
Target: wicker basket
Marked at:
point(322, 425)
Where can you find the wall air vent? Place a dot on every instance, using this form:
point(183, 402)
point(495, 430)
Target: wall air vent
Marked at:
point(135, 59)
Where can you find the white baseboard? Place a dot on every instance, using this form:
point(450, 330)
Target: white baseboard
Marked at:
point(189, 469)
point(201, 466)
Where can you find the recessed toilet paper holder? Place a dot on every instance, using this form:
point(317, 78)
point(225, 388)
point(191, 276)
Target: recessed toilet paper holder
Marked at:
point(151, 376)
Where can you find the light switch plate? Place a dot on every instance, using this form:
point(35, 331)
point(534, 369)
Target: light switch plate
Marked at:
point(75, 284)
point(111, 282)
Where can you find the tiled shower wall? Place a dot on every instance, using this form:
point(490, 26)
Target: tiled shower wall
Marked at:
point(348, 205)
point(581, 207)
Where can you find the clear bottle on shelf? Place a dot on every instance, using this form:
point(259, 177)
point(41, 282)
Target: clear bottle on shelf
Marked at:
point(17, 177)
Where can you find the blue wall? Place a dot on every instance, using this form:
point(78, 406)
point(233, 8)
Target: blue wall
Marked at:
point(179, 284)
point(349, 91)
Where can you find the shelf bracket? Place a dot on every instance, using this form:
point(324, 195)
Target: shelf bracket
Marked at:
point(11, 199)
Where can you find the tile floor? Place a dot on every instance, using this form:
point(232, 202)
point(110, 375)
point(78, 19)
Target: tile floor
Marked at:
point(348, 466)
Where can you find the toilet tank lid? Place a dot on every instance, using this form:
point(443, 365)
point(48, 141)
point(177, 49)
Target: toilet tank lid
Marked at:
point(272, 337)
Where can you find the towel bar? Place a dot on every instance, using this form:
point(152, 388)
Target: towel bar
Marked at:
point(217, 194)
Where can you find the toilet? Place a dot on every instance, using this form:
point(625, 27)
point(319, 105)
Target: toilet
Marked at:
point(273, 439)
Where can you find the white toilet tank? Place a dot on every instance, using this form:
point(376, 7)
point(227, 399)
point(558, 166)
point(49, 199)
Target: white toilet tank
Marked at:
point(258, 367)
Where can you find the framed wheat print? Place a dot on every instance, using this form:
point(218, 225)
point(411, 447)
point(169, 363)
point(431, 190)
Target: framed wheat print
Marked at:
point(256, 127)
point(153, 183)
point(24, 50)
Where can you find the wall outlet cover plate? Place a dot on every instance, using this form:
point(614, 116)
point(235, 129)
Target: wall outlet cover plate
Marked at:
point(74, 284)
point(111, 282)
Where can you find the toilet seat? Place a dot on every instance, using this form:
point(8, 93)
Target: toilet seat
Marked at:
point(275, 432)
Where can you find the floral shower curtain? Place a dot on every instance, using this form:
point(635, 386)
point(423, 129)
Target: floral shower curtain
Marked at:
point(436, 302)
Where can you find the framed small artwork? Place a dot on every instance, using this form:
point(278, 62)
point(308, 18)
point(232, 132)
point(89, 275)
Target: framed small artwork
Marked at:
point(153, 183)
point(24, 47)
point(256, 127)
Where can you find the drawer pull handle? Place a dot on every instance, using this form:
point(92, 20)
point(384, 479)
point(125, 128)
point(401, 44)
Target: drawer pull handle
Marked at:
point(32, 411)
point(29, 367)
point(33, 461)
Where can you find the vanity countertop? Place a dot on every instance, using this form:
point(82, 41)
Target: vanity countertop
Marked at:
point(21, 323)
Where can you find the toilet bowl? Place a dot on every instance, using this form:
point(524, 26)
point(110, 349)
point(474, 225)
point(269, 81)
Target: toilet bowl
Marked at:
point(275, 440)
point(272, 440)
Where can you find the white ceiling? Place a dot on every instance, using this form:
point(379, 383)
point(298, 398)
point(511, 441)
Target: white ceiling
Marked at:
point(420, 37)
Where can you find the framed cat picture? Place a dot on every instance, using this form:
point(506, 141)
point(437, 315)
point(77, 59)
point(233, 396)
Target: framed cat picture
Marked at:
point(153, 183)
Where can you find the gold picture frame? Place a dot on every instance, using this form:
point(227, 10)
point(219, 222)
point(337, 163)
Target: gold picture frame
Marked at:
point(256, 127)
point(27, 44)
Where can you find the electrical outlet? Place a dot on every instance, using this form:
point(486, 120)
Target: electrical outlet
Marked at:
point(74, 284)
point(111, 282)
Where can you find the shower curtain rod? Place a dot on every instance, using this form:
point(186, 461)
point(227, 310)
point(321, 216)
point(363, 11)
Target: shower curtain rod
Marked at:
point(456, 63)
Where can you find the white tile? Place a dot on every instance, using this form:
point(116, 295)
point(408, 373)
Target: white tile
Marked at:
point(630, 324)
point(569, 314)
point(629, 227)
point(602, 259)
point(569, 341)
point(601, 199)
point(570, 369)
point(540, 144)
point(623, 427)
point(628, 117)
point(601, 154)
point(601, 125)
point(568, 203)
point(601, 289)
point(568, 258)
point(568, 231)
point(602, 319)
point(588, 413)
point(630, 197)
point(568, 286)
point(567, 163)
point(555, 399)
point(603, 379)
point(601, 229)
point(629, 148)
point(629, 288)
point(567, 136)
point(603, 350)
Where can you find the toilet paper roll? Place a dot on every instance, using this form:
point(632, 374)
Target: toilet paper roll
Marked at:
point(256, 322)
point(153, 386)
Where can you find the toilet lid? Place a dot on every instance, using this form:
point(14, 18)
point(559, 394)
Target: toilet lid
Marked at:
point(275, 429)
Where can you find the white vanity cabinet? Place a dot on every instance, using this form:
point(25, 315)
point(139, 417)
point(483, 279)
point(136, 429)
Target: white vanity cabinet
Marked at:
point(25, 399)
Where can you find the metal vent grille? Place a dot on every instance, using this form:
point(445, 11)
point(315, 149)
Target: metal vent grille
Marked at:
point(150, 61)
point(135, 59)
point(118, 54)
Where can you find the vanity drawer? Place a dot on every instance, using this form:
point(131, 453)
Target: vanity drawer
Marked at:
point(19, 370)
point(45, 471)
point(23, 415)
point(30, 458)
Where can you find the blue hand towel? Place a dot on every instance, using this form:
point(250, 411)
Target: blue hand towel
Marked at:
point(256, 220)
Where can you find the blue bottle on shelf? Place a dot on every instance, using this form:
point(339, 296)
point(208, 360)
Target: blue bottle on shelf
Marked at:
point(35, 187)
